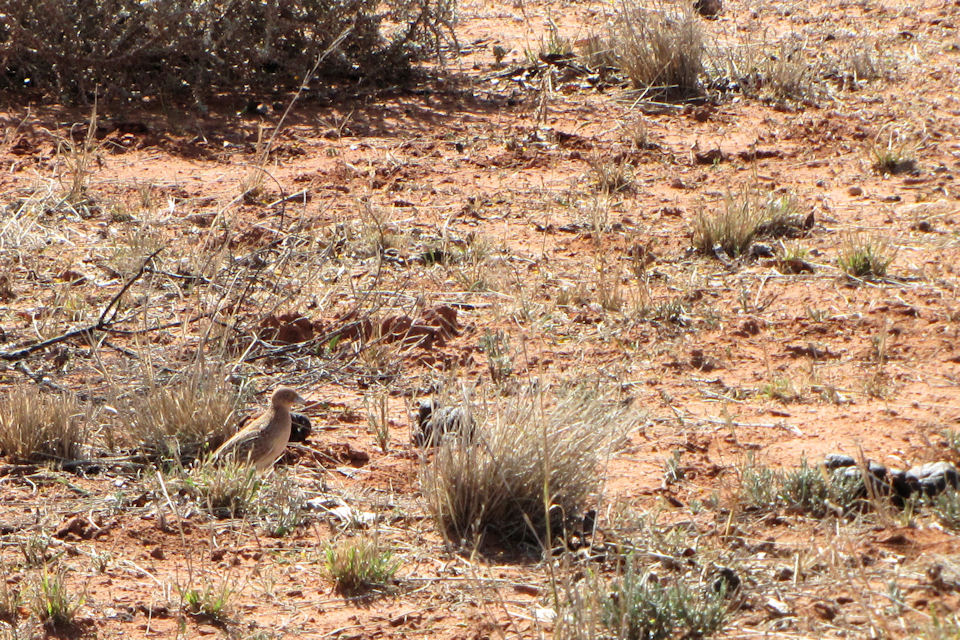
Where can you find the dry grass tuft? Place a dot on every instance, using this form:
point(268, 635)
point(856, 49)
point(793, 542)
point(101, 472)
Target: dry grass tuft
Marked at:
point(10, 598)
point(225, 489)
point(866, 256)
point(894, 153)
point(212, 602)
point(52, 603)
point(790, 75)
point(37, 426)
point(660, 50)
point(533, 454)
point(182, 419)
point(744, 217)
point(610, 176)
point(361, 564)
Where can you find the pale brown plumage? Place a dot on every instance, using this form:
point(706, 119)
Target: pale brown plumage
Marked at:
point(262, 441)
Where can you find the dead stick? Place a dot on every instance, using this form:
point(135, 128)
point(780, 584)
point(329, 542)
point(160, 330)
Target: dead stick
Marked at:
point(102, 324)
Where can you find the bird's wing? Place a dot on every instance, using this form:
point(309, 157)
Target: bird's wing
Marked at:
point(243, 438)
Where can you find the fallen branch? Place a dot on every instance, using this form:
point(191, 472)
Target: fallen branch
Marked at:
point(107, 317)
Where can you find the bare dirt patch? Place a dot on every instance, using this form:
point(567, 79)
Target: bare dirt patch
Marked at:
point(514, 221)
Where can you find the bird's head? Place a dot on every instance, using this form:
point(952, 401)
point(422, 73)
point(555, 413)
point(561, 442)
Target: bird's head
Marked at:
point(285, 397)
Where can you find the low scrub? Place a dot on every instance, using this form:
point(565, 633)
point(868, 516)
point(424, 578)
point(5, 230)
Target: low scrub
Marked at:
point(225, 490)
point(946, 506)
point(52, 603)
point(529, 456)
point(212, 602)
point(745, 217)
point(866, 256)
point(36, 426)
point(135, 50)
point(360, 565)
point(637, 604)
point(807, 490)
point(661, 51)
point(180, 420)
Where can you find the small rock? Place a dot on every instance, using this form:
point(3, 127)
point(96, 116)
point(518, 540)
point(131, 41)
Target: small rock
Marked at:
point(825, 610)
point(727, 580)
point(702, 114)
point(544, 614)
point(708, 8)
point(783, 574)
point(777, 608)
point(855, 191)
point(934, 477)
point(760, 250)
point(721, 254)
point(300, 428)
point(710, 156)
point(703, 362)
point(838, 460)
point(433, 421)
point(157, 553)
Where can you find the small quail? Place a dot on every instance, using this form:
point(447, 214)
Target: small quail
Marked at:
point(262, 441)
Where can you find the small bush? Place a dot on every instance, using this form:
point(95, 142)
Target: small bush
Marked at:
point(52, 603)
point(10, 598)
point(639, 605)
point(951, 438)
point(534, 454)
point(866, 256)
point(211, 602)
point(360, 565)
point(610, 176)
point(758, 487)
point(225, 489)
point(946, 627)
point(746, 216)
point(893, 155)
point(37, 426)
point(182, 419)
point(281, 505)
point(790, 75)
point(947, 508)
point(661, 51)
point(131, 50)
point(37, 550)
point(807, 490)
point(781, 390)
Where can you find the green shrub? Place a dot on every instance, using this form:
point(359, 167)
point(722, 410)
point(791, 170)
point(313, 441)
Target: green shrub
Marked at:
point(639, 605)
point(52, 602)
point(746, 216)
point(360, 565)
point(866, 256)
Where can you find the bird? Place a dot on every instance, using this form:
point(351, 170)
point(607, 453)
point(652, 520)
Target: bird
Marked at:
point(262, 441)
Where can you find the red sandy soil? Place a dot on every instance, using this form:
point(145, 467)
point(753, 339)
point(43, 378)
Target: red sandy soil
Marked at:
point(479, 163)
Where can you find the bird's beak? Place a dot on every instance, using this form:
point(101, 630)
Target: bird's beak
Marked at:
point(301, 399)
